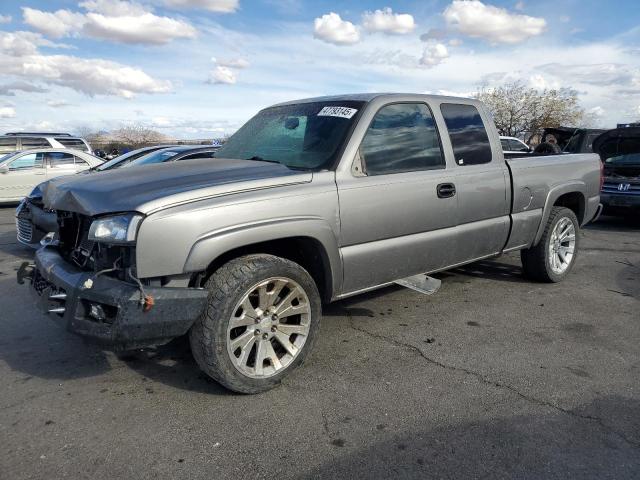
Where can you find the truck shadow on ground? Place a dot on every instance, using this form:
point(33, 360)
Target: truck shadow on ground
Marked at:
point(621, 224)
point(548, 444)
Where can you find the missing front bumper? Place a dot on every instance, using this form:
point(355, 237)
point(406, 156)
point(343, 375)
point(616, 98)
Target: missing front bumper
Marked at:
point(108, 311)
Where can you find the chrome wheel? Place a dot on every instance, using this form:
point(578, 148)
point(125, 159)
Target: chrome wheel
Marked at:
point(269, 327)
point(562, 245)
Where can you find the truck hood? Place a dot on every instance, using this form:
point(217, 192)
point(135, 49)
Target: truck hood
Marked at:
point(150, 188)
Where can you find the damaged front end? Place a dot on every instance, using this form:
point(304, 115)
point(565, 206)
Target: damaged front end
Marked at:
point(87, 280)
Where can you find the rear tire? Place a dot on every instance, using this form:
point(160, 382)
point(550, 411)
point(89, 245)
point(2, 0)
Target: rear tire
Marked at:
point(261, 321)
point(553, 257)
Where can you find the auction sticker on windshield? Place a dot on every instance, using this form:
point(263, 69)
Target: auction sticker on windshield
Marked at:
point(342, 112)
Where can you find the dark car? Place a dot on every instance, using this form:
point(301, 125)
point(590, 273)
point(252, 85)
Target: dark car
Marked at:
point(174, 154)
point(36, 222)
point(619, 150)
point(574, 140)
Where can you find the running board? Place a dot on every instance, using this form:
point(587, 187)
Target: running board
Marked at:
point(421, 283)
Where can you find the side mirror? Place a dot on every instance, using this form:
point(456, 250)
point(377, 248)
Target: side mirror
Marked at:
point(4, 168)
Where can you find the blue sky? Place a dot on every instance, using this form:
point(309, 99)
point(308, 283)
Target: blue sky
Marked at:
point(200, 68)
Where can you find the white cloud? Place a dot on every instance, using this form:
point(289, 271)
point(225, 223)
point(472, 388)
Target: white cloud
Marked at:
point(22, 58)
point(388, 22)
point(455, 42)
point(332, 29)
point(604, 74)
point(117, 21)
point(147, 28)
point(519, 6)
point(434, 54)
point(7, 112)
point(113, 8)
point(9, 89)
point(496, 25)
point(53, 24)
point(58, 103)
point(5, 18)
point(433, 34)
point(596, 111)
point(222, 75)
point(220, 6)
point(539, 82)
point(231, 62)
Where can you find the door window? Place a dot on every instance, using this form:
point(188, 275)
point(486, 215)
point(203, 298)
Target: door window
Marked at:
point(401, 138)
point(80, 162)
point(60, 160)
point(467, 133)
point(505, 144)
point(34, 142)
point(7, 144)
point(517, 146)
point(26, 162)
point(73, 143)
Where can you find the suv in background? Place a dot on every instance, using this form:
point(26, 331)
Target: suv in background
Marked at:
point(17, 141)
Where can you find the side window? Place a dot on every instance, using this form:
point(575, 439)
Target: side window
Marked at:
point(467, 133)
point(193, 156)
point(505, 144)
point(7, 144)
point(34, 142)
point(401, 138)
point(26, 162)
point(80, 162)
point(76, 143)
point(517, 146)
point(60, 160)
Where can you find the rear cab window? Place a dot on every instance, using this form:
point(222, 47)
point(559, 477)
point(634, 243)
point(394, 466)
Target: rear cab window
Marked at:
point(468, 134)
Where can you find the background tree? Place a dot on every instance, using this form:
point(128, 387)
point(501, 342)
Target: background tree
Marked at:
point(519, 110)
point(138, 135)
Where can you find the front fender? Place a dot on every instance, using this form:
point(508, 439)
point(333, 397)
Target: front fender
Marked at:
point(216, 243)
point(554, 194)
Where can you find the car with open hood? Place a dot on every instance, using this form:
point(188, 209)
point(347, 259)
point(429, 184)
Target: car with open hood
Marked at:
point(619, 150)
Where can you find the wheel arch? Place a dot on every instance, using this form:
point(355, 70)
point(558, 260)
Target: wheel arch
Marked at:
point(309, 242)
point(571, 196)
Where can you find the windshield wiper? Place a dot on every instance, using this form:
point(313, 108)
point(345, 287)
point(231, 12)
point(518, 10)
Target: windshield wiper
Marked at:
point(260, 159)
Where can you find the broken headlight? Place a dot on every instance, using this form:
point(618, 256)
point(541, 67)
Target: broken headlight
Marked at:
point(115, 229)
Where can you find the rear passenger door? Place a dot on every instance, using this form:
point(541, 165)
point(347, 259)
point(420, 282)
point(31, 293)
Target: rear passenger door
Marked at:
point(482, 183)
point(398, 204)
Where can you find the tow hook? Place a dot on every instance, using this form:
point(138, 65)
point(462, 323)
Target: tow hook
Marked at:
point(25, 272)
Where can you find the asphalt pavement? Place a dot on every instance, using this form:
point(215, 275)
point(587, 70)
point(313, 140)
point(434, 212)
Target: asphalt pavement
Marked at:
point(492, 377)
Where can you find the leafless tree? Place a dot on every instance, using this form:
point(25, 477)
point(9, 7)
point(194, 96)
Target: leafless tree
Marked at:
point(137, 136)
point(520, 110)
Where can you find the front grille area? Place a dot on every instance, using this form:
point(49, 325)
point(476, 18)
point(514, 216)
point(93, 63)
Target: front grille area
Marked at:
point(621, 187)
point(24, 229)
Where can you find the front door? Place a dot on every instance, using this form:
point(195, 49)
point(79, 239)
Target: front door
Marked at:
point(25, 172)
point(398, 208)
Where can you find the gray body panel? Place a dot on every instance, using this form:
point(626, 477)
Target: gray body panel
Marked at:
point(370, 230)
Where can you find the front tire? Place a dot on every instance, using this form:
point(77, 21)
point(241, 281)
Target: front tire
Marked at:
point(554, 256)
point(261, 321)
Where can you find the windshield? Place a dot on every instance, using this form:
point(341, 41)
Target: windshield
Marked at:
point(304, 135)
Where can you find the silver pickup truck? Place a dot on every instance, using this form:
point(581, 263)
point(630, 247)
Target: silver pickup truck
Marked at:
point(310, 201)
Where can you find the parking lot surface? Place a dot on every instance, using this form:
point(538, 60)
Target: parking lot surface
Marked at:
point(492, 377)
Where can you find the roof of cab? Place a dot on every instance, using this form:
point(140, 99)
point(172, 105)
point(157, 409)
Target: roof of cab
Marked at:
point(368, 97)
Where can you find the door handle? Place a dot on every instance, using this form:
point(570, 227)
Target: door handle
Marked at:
point(446, 190)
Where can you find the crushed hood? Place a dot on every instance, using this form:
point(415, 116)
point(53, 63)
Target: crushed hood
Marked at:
point(150, 188)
